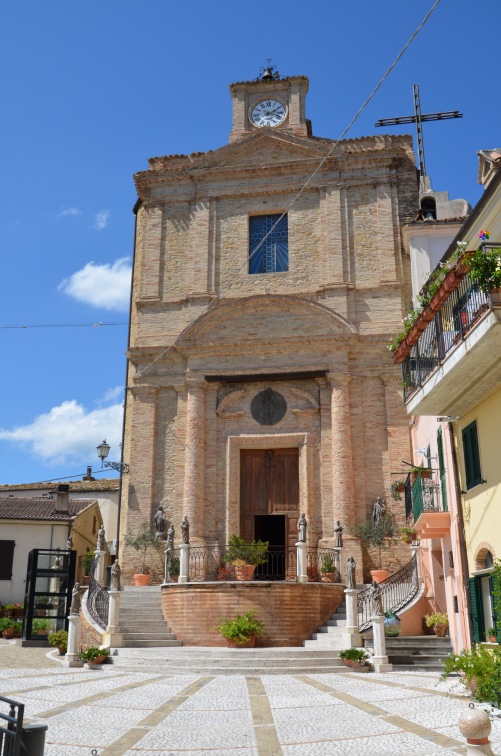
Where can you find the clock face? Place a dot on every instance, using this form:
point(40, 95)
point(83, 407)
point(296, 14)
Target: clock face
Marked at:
point(268, 113)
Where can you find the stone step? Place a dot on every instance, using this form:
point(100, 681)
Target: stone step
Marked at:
point(159, 627)
point(149, 636)
point(152, 643)
point(337, 622)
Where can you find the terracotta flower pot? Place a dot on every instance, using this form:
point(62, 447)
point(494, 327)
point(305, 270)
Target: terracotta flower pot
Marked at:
point(62, 650)
point(379, 575)
point(142, 579)
point(244, 571)
point(8, 632)
point(329, 577)
point(248, 644)
point(356, 665)
point(441, 630)
point(223, 573)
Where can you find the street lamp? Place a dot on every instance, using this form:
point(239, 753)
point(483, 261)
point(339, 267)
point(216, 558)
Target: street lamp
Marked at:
point(102, 452)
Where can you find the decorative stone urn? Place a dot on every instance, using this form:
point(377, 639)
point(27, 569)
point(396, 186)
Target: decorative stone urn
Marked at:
point(391, 627)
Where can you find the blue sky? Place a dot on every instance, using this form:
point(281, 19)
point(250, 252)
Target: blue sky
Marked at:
point(92, 90)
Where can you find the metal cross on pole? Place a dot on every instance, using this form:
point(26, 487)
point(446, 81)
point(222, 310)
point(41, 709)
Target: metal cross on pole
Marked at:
point(418, 118)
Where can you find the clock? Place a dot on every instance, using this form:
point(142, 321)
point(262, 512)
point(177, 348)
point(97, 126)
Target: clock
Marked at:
point(268, 113)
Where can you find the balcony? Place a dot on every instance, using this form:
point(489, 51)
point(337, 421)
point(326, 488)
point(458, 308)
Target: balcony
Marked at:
point(429, 508)
point(453, 361)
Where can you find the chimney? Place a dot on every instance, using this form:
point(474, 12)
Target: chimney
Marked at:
point(89, 474)
point(62, 502)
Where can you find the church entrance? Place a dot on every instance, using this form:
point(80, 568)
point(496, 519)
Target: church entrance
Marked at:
point(269, 503)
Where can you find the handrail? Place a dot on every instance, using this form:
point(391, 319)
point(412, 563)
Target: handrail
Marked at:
point(11, 734)
point(98, 599)
point(397, 592)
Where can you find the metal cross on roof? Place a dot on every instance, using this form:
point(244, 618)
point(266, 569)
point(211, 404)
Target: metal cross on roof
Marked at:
point(418, 118)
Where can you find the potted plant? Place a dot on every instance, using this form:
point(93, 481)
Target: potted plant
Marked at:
point(356, 658)
point(377, 534)
point(328, 570)
point(391, 624)
point(396, 490)
point(87, 560)
point(18, 610)
point(9, 610)
point(224, 571)
point(490, 635)
point(59, 639)
point(174, 569)
point(7, 625)
point(439, 621)
point(141, 541)
point(245, 557)
point(41, 626)
point(408, 535)
point(242, 631)
point(424, 472)
point(41, 604)
point(94, 656)
point(313, 574)
point(485, 268)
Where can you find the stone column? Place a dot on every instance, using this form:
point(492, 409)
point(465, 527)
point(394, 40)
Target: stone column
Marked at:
point(380, 660)
point(113, 636)
point(301, 563)
point(72, 656)
point(194, 471)
point(99, 573)
point(351, 634)
point(342, 462)
point(184, 561)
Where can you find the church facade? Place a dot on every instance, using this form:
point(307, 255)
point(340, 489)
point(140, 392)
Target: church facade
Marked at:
point(268, 278)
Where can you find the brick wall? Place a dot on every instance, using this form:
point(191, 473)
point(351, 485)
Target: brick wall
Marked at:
point(291, 612)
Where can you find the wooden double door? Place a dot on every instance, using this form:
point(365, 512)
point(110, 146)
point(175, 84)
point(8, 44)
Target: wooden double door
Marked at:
point(269, 495)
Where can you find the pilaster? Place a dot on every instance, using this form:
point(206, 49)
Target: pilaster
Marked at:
point(343, 505)
point(194, 472)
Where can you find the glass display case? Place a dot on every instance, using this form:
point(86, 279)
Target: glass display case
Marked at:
point(49, 583)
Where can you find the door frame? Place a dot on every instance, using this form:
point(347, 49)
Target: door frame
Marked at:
point(301, 441)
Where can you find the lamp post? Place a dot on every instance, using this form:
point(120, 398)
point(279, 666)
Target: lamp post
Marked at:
point(102, 452)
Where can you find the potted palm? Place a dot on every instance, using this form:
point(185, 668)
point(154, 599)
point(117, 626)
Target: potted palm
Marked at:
point(245, 557)
point(242, 631)
point(141, 541)
point(377, 534)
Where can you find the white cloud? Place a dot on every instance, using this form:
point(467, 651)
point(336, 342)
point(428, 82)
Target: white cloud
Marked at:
point(69, 211)
point(101, 219)
point(69, 433)
point(106, 286)
point(112, 395)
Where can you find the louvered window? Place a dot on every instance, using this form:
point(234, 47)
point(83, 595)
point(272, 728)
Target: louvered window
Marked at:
point(441, 469)
point(471, 456)
point(6, 559)
point(268, 244)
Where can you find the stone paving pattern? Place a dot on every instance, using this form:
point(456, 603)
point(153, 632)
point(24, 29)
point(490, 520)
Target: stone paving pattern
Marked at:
point(115, 712)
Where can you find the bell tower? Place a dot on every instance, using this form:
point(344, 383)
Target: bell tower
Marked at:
point(270, 102)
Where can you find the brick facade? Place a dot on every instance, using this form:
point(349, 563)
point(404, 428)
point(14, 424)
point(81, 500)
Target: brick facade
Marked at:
point(198, 313)
point(290, 612)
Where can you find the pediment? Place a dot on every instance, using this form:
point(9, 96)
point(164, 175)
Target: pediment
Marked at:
point(265, 147)
point(244, 323)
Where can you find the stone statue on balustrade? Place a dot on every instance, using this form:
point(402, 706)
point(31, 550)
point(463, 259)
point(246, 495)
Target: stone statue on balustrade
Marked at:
point(350, 573)
point(76, 599)
point(378, 510)
point(115, 573)
point(377, 599)
point(170, 538)
point(302, 527)
point(69, 543)
point(101, 543)
point(159, 522)
point(338, 530)
point(185, 530)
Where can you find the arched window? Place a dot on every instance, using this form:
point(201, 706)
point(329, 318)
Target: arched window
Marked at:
point(429, 208)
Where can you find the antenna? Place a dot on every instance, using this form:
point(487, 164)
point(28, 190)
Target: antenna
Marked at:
point(418, 118)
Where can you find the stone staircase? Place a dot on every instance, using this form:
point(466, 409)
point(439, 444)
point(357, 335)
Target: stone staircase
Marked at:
point(141, 619)
point(229, 661)
point(329, 636)
point(416, 652)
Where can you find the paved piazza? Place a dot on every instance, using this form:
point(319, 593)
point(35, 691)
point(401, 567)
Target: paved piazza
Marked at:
point(115, 711)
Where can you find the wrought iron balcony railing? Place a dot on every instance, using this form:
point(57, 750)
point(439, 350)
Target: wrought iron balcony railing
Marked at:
point(427, 496)
point(449, 327)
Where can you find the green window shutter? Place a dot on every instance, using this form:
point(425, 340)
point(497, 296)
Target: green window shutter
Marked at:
point(477, 619)
point(441, 468)
point(471, 455)
point(493, 584)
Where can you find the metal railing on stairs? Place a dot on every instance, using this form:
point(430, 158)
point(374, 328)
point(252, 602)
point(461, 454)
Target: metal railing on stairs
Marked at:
point(98, 599)
point(397, 592)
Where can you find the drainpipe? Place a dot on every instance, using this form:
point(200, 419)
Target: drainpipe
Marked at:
point(464, 569)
